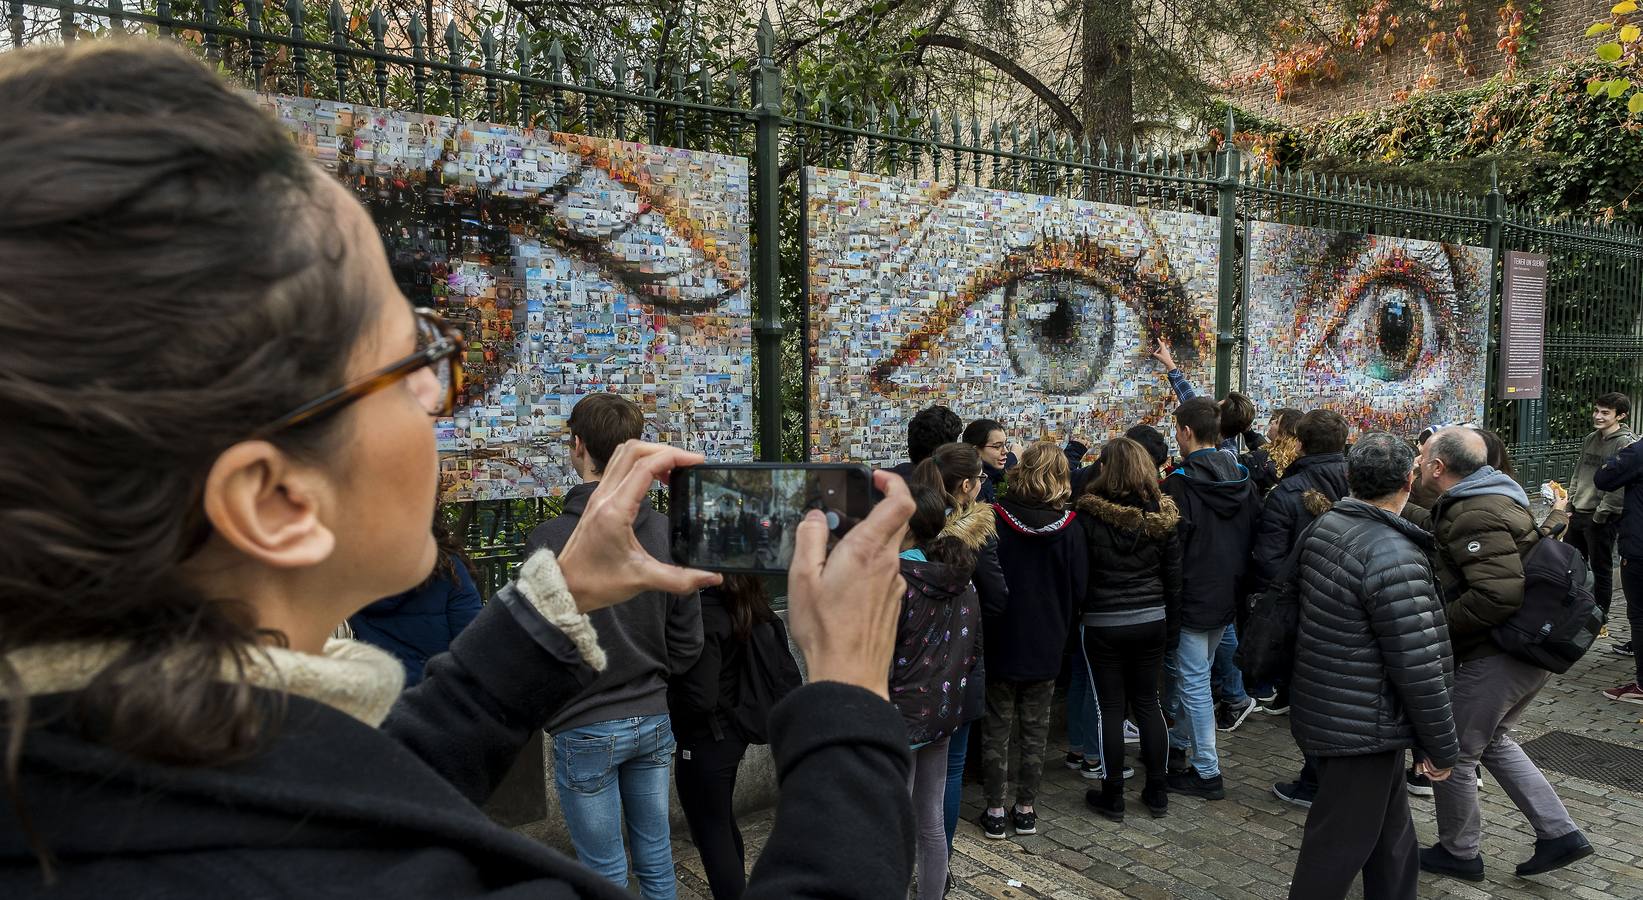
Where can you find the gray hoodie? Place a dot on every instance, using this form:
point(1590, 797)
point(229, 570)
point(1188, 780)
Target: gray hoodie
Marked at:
point(1584, 497)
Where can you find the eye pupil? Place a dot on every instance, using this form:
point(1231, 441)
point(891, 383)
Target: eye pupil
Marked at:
point(1397, 335)
point(1060, 326)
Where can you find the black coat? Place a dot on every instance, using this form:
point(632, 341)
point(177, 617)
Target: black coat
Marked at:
point(1218, 507)
point(1041, 551)
point(331, 806)
point(1310, 486)
point(1623, 471)
point(1373, 665)
point(1135, 561)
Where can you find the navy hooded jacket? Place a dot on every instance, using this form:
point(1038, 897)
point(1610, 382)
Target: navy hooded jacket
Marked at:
point(421, 623)
point(1219, 508)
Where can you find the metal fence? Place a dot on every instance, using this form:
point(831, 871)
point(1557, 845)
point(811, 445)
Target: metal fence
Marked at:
point(751, 108)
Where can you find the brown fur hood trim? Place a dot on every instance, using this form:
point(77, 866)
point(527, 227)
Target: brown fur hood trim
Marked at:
point(1152, 524)
point(973, 527)
point(1316, 503)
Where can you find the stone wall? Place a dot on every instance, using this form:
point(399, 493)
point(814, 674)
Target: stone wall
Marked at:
point(1373, 79)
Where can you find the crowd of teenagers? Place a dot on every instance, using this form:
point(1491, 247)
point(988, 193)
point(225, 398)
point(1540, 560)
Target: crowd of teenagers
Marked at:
point(219, 458)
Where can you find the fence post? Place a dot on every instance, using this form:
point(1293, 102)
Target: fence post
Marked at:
point(1230, 287)
point(767, 113)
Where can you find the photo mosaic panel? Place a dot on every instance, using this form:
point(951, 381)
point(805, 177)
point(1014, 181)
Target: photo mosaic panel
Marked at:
point(1389, 332)
point(575, 265)
point(1037, 311)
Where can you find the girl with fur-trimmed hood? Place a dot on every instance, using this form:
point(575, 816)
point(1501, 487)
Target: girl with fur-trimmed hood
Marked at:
point(1131, 613)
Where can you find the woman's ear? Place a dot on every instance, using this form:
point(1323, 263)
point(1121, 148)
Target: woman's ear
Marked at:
point(268, 508)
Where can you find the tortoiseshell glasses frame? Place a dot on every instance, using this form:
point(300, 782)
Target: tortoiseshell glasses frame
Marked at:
point(439, 347)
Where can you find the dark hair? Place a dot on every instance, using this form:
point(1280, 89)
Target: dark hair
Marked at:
point(1202, 417)
point(1458, 455)
point(928, 521)
point(976, 433)
point(604, 422)
point(1237, 414)
point(930, 428)
point(946, 467)
point(1126, 476)
point(1322, 431)
point(1151, 440)
point(1620, 403)
point(1378, 466)
point(1288, 418)
point(452, 552)
point(1495, 452)
point(748, 603)
point(173, 283)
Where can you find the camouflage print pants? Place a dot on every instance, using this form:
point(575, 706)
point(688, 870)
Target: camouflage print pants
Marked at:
point(1018, 719)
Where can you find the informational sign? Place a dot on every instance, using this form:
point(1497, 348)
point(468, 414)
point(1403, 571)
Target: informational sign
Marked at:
point(1523, 326)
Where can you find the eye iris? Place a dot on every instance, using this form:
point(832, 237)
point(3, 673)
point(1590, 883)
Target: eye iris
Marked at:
point(1397, 333)
point(1059, 330)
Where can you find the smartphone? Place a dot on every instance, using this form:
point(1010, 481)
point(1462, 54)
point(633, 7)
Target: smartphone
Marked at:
point(742, 517)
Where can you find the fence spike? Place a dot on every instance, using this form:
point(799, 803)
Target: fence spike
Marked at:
point(1101, 150)
point(765, 37)
point(556, 60)
point(619, 69)
point(733, 88)
point(337, 19)
point(524, 51)
point(935, 126)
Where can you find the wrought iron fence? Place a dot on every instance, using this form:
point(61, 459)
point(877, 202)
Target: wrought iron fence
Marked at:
point(1595, 294)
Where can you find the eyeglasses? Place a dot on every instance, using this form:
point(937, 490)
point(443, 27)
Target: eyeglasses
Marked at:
point(439, 348)
point(998, 446)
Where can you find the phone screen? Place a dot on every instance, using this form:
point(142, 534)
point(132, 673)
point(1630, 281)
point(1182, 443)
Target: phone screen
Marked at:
point(744, 518)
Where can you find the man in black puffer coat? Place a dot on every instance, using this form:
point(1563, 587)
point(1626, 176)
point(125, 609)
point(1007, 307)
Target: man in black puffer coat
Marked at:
point(1373, 670)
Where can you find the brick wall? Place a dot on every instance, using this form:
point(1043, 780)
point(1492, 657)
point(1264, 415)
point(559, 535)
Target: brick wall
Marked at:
point(1374, 79)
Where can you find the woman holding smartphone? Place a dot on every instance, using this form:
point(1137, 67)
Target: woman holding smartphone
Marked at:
point(218, 447)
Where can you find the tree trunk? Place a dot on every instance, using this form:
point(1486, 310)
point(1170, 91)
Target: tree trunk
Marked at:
point(1108, 103)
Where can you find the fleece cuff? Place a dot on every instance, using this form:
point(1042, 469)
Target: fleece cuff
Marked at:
point(541, 583)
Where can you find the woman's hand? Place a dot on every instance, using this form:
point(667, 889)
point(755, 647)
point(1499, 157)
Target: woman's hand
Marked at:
point(603, 562)
point(842, 608)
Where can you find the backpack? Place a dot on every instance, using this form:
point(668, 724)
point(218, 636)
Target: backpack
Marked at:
point(768, 673)
point(1266, 636)
point(1560, 618)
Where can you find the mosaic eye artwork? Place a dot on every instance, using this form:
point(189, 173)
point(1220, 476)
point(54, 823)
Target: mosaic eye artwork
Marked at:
point(1389, 332)
point(575, 265)
point(1037, 311)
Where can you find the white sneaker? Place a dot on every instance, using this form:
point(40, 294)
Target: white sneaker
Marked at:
point(1132, 735)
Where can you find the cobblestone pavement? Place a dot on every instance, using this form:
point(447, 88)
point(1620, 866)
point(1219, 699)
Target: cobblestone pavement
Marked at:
point(1245, 846)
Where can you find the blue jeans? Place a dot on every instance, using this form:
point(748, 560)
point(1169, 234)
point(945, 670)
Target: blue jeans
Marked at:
point(1190, 702)
point(957, 752)
point(611, 772)
point(1083, 716)
point(1229, 682)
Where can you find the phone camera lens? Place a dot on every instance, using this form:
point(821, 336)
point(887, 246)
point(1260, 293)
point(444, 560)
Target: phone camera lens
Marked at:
point(832, 520)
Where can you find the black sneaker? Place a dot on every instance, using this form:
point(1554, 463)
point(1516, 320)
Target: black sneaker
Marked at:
point(1419, 785)
point(991, 826)
point(1266, 696)
point(1177, 761)
point(1555, 853)
point(1295, 793)
point(1279, 705)
point(1229, 716)
point(1024, 822)
point(1194, 785)
point(1439, 861)
point(1074, 760)
point(1621, 649)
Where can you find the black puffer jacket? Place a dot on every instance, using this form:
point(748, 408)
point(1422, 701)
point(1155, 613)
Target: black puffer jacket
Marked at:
point(1373, 665)
point(1310, 485)
point(1135, 563)
point(1041, 550)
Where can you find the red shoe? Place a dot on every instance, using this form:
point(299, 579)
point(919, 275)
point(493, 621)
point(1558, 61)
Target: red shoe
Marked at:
point(1626, 693)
